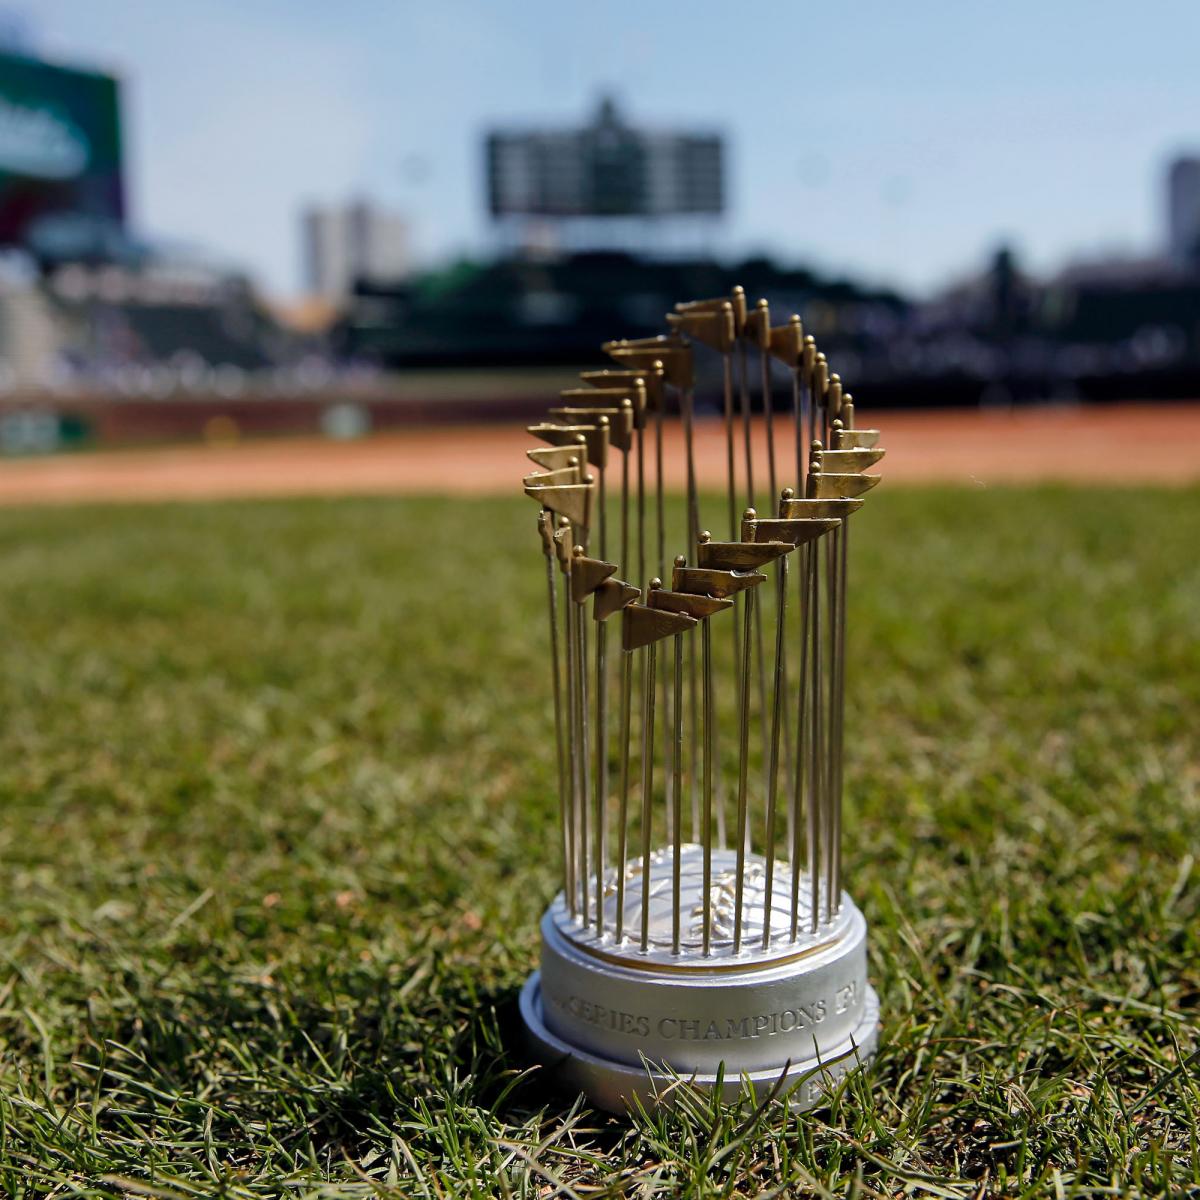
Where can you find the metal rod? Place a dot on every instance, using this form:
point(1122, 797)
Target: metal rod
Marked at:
point(840, 714)
point(625, 515)
point(687, 401)
point(747, 433)
point(677, 845)
point(658, 486)
point(706, 836)
point(760, 671)
point(693, 739)
point(719, 790)
point(816, 780)
point(669, 747)
point(798, 411)
point(641, 503)
point(783, 687)
point(556, 668)
point(601, 796)
point(769, 417)
point(773, 760)
point(831, 560)
point(744, 391)
point(584, 755)
point(572, 749)
point(803, 751)
point(648, 681)
point(602, 503)
point(731, 490)
point(623, 799)
point(743, 769)
point(731, 479)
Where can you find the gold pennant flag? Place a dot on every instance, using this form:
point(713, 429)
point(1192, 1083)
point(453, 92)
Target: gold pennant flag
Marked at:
point(610, 396)
point(595, 439)
point(612, 596)
point(809, 509)
point(823, 486)
point(796, 531)
point(620, 420)
point(690, 603)
point(758, 326)
point(714, 329)
point(573, 501)
point(850, 461)
point(546, 529)
point(855, 439)
point(674, 354)
point(736, 299)
point(662, 341)
point(739, 556)
point(650, 391)
point(833, 396)
point(554, 458)
point(704, 581)
point(819, 378)
point(587, 574)
point(561, 475)
point(642, 625)
point(787, 342)
point(563, 543)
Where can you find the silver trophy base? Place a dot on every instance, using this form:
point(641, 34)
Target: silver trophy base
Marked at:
point(615, 1086)
point(788, 1011)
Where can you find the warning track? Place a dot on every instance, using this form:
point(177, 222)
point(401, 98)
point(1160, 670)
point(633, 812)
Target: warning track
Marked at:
point(1120, 445)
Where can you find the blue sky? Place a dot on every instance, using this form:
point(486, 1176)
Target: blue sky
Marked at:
point(896, 141)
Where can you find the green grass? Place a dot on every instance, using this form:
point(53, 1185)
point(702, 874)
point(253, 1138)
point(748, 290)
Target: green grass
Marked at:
point(269, 775)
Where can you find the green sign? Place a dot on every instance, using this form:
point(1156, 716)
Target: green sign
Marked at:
point(60, 146)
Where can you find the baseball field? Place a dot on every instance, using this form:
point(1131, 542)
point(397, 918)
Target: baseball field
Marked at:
point(278, 795)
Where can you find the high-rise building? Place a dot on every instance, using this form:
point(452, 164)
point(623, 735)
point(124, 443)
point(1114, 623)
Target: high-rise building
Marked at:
point(1183, 212)
point(351, 243)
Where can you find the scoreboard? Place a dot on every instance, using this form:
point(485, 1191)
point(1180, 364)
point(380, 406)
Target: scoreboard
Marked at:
point(60, 147)
point(606, 169)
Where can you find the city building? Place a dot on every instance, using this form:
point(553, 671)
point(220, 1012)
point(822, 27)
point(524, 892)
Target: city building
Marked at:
point(351, 244)
point(1183, 212)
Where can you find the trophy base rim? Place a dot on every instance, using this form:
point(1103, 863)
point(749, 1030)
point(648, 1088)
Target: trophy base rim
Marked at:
point(614, 1086)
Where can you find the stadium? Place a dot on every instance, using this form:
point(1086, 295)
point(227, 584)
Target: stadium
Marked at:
point(282, 759)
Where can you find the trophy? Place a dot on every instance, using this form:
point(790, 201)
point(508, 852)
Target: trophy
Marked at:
point(702, 932)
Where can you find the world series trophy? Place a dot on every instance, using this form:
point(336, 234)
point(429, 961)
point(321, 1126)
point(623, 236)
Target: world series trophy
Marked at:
point(702, 931)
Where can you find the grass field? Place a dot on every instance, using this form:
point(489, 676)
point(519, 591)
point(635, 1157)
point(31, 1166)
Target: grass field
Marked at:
point(270, 776)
